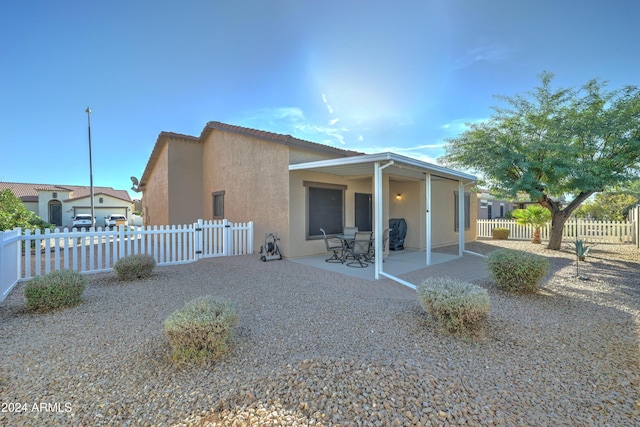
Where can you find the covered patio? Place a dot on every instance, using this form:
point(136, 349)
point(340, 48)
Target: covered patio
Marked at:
point(429, 185)
point(396, 264)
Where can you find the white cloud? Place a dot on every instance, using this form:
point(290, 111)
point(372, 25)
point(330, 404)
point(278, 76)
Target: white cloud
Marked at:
point(490, 53)
point(326, 103)
point(292, 121)
point(336, 134)
point(271, 115)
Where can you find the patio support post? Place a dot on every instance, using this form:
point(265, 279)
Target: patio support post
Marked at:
point(427, 185)
point(377, 217)
point(461, 218)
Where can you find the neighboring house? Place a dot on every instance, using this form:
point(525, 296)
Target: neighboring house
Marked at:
point(490, 208)
point(294, 187)
point(58, 204)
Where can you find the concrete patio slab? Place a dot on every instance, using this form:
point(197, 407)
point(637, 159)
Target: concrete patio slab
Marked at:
point(397, 263)
point(468, 268)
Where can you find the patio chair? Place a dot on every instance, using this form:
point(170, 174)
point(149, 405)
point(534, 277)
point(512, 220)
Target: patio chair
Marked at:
point(360, 249)
point(335, 246)
point(385, 247)
point(349, 231)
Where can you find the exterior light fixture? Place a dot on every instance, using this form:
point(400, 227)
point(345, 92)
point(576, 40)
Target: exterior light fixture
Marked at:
point(398, 196)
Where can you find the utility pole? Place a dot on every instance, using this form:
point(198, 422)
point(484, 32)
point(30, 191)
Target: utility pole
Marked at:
point(88, 111)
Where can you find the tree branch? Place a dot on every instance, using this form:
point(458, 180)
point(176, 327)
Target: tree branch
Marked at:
point(577, 202)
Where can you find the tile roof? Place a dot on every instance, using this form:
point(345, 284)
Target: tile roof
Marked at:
point(28, 192)
point(163, 137)
point(276, 137)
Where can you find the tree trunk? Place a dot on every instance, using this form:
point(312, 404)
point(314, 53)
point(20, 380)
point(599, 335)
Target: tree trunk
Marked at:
point(536, 236)
point(560, 216)
point(557, 226)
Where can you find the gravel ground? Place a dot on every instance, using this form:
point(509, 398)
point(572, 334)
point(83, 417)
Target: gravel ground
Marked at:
point(309, 352)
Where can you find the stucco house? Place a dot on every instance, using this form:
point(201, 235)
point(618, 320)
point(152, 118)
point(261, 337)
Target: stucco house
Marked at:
point(58, 204)
point(490, 207)
point(294, 187)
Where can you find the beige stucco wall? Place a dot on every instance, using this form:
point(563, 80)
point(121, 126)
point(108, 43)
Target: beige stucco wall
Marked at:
point(411, 208)
point(155, 199)
point(443, 208)
point(33, 207)
point(184, 182)
point(442, 213)
point(299, 245)
point(254, 175)
point(299, 155)
point(257, 185)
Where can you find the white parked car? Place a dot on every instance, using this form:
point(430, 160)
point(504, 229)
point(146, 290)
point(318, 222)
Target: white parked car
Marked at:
point(115, 220)
point(83, 221)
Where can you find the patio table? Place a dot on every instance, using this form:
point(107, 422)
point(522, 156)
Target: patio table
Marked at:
point(347, 241)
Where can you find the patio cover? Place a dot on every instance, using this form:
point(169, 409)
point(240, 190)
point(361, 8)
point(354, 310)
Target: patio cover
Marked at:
point(397, 165)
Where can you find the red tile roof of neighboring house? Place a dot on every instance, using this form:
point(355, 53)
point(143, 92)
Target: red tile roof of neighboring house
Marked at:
point(29, 192)
point(163, 137)
point(80, 192)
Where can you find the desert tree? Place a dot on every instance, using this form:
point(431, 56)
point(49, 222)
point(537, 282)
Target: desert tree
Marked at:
point(13, 213)
point(554, 145)
point(607, 206)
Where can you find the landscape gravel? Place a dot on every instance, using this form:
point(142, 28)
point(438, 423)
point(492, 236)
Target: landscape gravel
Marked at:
point(312, 352)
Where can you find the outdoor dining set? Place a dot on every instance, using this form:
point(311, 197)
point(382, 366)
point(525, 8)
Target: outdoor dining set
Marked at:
point(353, 247)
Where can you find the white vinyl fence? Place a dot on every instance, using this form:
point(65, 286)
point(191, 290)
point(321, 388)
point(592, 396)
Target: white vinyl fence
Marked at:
point(634, 216)
point(574, 229)
point(93, 251)
point(10, 250)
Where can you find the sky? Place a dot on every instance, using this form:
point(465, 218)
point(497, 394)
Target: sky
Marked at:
point(371, 76)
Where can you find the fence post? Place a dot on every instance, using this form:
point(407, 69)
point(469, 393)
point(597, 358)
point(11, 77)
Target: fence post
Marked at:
point(121, 244)
point(27, 253)
point(10, 260)
point(636, 225)
point(3, 236)
point(18, 253)
point(198, 239)
point(227, 238)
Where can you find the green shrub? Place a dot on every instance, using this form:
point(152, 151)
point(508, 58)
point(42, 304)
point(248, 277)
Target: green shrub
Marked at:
point(517, 271)
point(202, 329)
point(62, 288)
point(134, 267)
point(499, 233)
point(461, 307)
